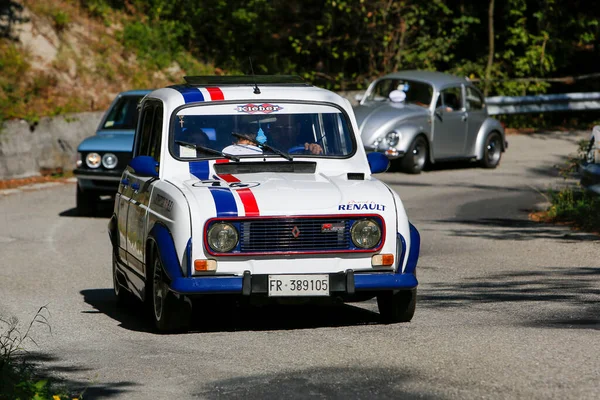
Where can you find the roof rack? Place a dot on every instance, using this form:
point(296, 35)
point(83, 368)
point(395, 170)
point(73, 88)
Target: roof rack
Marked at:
point(240, 80)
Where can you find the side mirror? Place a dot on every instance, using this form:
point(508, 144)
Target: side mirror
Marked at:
point(144, 166)
point(378, 162)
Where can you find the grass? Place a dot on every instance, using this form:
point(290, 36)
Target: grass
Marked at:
point(18, 378)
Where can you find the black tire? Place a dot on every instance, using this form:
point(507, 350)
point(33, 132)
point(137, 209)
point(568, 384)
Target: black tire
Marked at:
point(86, 202)
point(123, 296)
point(397, 306)
point(415, 159)
point(169, 313)
point(492, 150)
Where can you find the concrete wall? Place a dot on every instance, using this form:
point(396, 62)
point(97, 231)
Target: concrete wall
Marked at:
point(51, 145)
point(47, 146)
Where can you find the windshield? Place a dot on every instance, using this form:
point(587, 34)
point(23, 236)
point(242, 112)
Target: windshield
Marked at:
point(124, 113)
point(259, 130)
point(419, 93)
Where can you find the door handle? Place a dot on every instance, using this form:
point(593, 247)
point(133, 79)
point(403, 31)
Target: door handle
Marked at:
point(464, 117)
point(135, 186)
point(125, 182)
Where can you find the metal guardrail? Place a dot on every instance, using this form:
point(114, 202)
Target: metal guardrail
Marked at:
point(498, 105)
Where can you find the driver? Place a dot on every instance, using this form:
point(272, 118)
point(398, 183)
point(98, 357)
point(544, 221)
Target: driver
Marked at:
point(286, 136)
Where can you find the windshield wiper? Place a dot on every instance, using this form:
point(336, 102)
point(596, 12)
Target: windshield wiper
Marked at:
point(207, 150)
point(264, 146)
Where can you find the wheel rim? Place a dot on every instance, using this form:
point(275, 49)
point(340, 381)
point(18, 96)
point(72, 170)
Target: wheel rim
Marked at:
point(419, 153)
point(493, 150)
point(158, 290)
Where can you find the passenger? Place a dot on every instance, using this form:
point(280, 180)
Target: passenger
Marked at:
point(243, 146)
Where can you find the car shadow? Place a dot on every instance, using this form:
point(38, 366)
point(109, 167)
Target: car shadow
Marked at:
point(104, 209)
point(211, 314)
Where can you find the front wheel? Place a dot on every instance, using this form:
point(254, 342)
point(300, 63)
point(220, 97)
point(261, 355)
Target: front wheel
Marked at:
point(415, 158)
point(169, 313)
point(397, 306)
point(492, 150)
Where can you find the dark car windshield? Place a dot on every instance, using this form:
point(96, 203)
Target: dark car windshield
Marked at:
point(419, 93)
point(123, 114)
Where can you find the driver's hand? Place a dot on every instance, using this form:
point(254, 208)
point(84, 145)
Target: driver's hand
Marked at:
point(314, 148)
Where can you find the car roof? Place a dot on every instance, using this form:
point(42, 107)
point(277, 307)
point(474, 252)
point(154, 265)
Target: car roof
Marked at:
point(436, 79)
point(136, 92)
point(271, 88)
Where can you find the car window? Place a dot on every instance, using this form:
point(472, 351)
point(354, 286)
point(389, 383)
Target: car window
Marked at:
point(450, 99)
point(474, 99)
point(289, 129)
point(123, 114)
point(147, 117)
point(419, 93)
point(156, 134)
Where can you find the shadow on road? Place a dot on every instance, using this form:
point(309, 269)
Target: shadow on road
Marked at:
point(104, 209)
point(318, 383)
point(48, 366)
point(213, 315)
point(514, 229)
point(575, 291)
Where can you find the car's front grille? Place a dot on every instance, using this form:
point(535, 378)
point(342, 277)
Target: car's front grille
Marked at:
point(275, 235)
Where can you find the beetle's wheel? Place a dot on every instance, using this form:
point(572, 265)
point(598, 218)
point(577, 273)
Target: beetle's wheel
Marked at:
point(492, 151)
point(416, 157)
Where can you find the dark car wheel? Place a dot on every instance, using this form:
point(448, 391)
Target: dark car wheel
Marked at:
point(415, 159)
point(492, 150)
point(169, 313)
point(397, 306)
point(86, 202)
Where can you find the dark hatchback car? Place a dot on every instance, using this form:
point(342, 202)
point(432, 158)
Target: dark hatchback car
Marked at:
point(102, 158)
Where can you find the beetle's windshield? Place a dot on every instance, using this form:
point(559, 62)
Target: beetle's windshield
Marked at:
point(258, 130)
point(419, 93)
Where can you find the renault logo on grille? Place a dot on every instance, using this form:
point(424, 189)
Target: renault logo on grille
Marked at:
point(296, 232)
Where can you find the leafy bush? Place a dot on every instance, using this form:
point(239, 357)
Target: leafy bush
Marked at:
point(575, 206)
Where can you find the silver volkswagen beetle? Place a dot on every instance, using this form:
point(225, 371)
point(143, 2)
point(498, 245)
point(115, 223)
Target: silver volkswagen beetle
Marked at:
point(420, 117)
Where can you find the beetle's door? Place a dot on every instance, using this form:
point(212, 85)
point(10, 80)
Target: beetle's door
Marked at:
point(450, 126)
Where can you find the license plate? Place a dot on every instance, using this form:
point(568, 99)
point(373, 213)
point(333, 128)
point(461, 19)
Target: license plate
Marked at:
point(298, 285)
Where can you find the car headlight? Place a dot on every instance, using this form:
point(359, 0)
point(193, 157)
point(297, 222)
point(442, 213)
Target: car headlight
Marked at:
point(365, 233)
point(109, 161)
point(93, 160)
point(222, 237)
point(392, 138)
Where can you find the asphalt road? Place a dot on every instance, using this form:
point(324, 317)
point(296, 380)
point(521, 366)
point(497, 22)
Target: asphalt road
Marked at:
point(507, 308)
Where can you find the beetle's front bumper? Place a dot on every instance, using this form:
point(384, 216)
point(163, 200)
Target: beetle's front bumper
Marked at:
point(347, 282)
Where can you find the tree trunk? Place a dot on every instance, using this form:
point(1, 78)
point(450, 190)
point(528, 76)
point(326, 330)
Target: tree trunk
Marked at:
point(488, 69)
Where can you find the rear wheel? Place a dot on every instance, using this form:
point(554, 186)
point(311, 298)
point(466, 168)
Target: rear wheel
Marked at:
point(397, 306)
point(492, 150)
point(169, 313)
point(86, 201)
point(415, 158)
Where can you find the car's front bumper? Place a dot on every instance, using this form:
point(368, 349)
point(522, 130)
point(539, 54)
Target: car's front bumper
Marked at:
point(390, 153)
point(590, 176)
point(98, 180)
point(342, 283)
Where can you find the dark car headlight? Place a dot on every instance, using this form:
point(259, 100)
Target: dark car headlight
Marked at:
point(222, 237)
point(93, 160)
point(365, 233)
point(109, 160)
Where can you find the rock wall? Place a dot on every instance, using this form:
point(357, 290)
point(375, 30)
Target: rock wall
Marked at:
point(45, 147)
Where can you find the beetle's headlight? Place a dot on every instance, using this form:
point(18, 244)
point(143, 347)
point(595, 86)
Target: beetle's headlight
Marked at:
point(93, 160)
point(392, 138)
point(222, 237)
point(109, 161)
point(365, 233)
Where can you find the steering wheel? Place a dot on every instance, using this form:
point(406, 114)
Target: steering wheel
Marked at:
point(297, 150)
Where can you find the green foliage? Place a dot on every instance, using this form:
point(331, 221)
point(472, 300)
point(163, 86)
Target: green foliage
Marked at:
point(156, 44)
point(17, 377)
point(61, 20)
point(575, 206)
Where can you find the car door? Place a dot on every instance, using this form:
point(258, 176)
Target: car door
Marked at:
point(122, 199)
point(476, 116)
point(450, 126)
point(141, 186)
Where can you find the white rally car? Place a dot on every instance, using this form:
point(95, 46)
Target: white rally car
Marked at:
point(257, 187)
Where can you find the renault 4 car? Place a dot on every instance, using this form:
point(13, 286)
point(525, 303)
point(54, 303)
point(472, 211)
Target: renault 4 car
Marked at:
point(257, 187)
point(101, 158)
point(421, 117)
